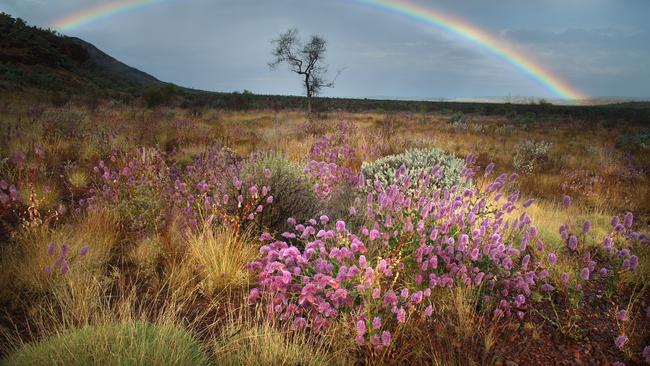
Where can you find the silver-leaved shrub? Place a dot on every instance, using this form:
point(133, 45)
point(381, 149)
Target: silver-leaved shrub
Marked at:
point(415, 164)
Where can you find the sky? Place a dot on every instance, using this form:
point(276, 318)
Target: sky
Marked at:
point(599, 47)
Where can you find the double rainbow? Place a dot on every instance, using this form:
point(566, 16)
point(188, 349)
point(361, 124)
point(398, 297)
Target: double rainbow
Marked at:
point(467, 31)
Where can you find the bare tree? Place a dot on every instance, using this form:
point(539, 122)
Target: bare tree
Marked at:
point(305, 59)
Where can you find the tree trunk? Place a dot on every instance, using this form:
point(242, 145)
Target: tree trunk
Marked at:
point(308, 90)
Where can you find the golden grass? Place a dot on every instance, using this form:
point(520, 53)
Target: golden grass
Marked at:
point(26, 260)
point(220, 256)
point(465, 336)
point(78, 179)
point(146, 254)
point(248, 338)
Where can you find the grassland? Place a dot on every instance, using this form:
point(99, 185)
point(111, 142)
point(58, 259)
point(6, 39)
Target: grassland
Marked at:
point(136, 264)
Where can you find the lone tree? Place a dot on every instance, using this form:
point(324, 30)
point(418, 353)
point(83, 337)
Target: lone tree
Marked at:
point(305, 59)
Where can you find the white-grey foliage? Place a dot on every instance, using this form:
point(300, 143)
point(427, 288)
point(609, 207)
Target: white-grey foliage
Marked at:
point(415, 162)
point(530, 155)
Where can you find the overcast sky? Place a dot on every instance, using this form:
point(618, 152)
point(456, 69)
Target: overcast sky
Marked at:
point(600, 47)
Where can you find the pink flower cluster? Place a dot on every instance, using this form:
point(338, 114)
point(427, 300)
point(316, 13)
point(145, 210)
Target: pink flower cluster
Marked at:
point(8, 194)
point(331, 159)
point(420, 241)
point(417, 241)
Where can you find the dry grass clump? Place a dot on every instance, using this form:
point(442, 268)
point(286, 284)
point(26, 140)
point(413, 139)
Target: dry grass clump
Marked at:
point(460, 333)
point(249, 337)
point(33, 268)
point(220, 257)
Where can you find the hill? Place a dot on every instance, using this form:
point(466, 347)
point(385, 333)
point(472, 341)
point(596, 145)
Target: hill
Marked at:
point(35, 58)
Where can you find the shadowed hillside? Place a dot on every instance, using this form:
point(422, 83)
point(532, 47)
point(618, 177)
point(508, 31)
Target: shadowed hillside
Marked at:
point(35, 58)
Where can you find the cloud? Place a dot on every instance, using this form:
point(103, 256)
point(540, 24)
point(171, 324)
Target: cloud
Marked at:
point(601, 48)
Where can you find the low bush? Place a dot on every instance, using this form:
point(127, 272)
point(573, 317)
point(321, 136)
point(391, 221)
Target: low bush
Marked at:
point(639, 141)
point(418, 243)
point(292, 191)
point(530, 156)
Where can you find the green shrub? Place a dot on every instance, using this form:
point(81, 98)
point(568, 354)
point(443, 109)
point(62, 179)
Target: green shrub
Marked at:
point(639, 141)
point(291, 189)
point(142, 210)
point(65, 121)
point(114, 344)
point(415, 161)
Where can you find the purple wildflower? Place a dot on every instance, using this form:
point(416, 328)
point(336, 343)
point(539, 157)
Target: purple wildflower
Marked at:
point(64, 267)
point(254, 295)
point(298, 322)
point(566, 201)
point(628, 219)
point(385, 338)
point(361, 327)
point(401, 315)
point(324, 219)
point(620, 341)
point(565, 277)
point(428, 311)
point(573, 243)
point(340, 226)
point(51, 249)
point(489, 168)
point(84, 250)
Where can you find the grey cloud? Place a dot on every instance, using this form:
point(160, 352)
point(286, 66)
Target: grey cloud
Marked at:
point(601, 48)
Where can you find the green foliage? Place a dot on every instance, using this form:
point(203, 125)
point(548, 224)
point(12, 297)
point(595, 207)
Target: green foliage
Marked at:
point(115, 344)
point(291, 189)
point(65, 121)
point(31, 57)
point(415, 161)
point(142, 209)
point(155, 96)
point(457, 117)
point(636, 141)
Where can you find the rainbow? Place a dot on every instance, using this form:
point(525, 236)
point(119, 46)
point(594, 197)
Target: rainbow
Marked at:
point(83, 17)
point(428, 16)
point(467, 31)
